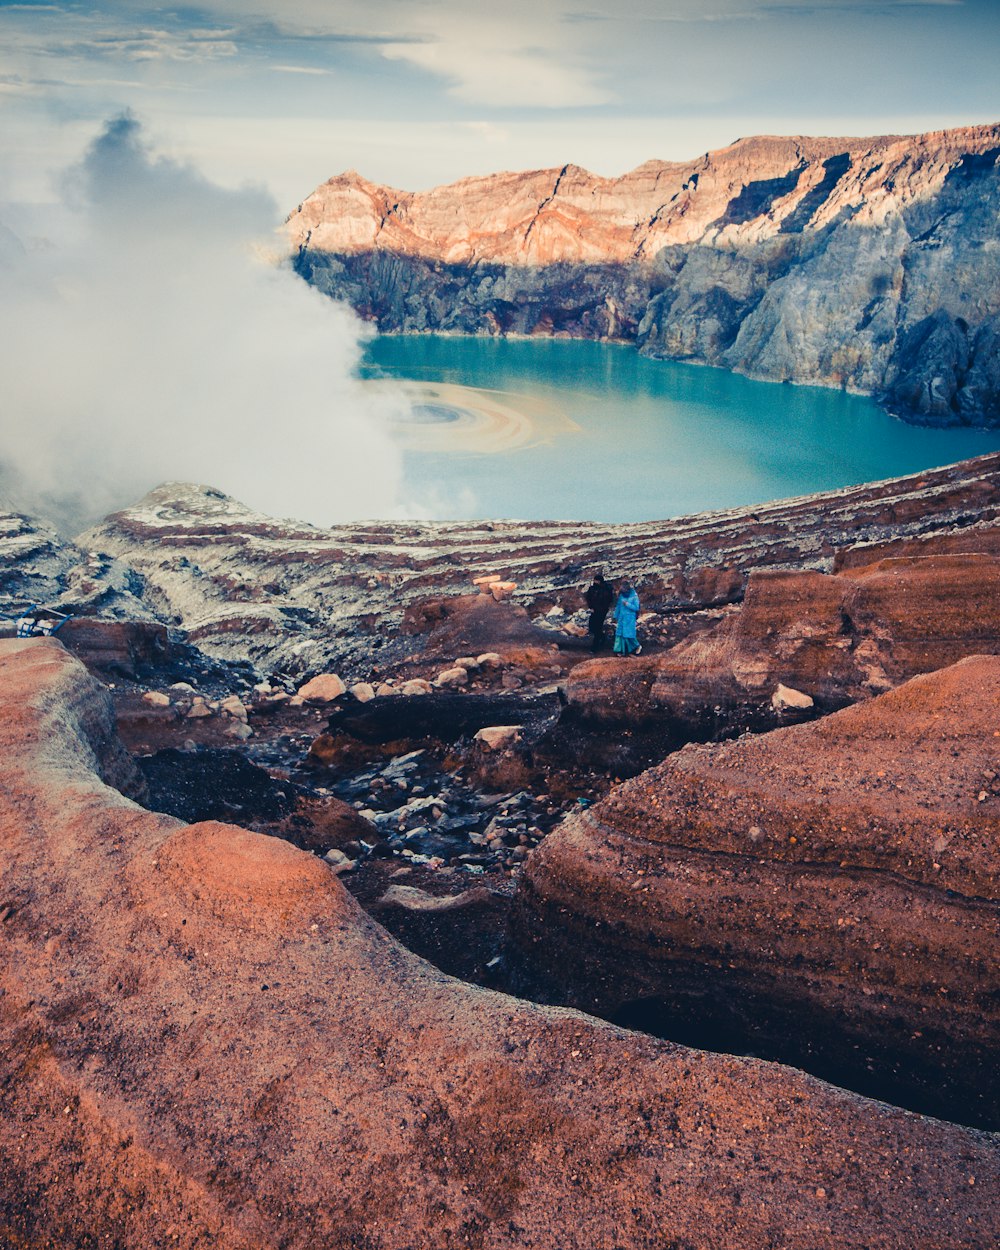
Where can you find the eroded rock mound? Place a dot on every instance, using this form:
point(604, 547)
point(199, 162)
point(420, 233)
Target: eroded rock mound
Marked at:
point(826, 893)
point(203, 1041)
point(835, 639)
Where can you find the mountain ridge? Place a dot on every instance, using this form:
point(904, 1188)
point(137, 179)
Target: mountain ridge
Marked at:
point(871, 264)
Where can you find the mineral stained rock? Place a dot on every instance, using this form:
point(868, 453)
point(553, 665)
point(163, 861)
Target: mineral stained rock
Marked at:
point(835, 638)
point(827, 893)
point(205, 1042)
point(290, 596)
point(862, 263)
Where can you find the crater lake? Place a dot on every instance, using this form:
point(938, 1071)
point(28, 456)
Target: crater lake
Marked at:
point(554, 429)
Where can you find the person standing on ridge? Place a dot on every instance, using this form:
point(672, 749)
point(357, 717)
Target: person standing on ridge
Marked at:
point(626, 613)
point(599, 596)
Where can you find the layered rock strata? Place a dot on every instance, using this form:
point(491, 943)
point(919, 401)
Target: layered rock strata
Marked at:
point(204, 1041)
point(836, 638)
point(285, 594)
point(39, 566)
point(868, 263)
point(827, 893)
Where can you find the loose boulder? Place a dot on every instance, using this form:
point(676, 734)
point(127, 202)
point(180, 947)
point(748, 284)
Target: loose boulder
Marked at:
point(784, 698)
point(498, 737)
point(322, 689)
point(455, 676)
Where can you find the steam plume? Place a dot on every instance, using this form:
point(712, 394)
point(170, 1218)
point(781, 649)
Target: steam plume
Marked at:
point(159, 344)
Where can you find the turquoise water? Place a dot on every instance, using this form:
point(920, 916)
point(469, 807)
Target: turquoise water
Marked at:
point(611, 436)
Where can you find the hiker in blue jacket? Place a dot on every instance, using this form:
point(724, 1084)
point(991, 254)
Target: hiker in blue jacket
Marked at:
point(626, 612)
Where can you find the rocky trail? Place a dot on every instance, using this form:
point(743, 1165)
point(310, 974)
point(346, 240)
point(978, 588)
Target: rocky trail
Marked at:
point(770, 835)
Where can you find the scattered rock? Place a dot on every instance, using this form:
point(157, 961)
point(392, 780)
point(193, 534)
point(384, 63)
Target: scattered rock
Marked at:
point(416, 685)
point(452, 677)
point(498, 737)
point(785, 697)
point(412, 899)
point(155, 699)
point(363, 691)
point(324, 688)
point(339, 862)
point(272, 702)
point(233, 706)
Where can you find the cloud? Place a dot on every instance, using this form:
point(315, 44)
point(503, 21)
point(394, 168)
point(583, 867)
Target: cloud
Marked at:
point(483, 72)
point(300, 69)
point(157, 344)
point(513, 54)
point(154, 45)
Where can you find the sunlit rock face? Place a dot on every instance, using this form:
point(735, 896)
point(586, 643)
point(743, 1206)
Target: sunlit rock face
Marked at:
point(828, 894)
point(205, 1042)
point(872, 264)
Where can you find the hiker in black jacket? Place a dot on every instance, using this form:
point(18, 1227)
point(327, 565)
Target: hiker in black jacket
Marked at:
point(599, 597)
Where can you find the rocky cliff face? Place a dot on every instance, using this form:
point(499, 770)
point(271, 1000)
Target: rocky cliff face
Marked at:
point(286, 595)
point(842, 873)
point(836, 639)
point(871, 264)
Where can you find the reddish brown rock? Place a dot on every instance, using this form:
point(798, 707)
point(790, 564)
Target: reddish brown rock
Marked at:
point(834, 638)
point(826, 893)
point(545, 216)
point(319, 823)
point(116, 648)
point(204, 1042)
point(462, 623)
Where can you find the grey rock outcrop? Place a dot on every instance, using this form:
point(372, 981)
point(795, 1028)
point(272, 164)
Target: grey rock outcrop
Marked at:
point(869, 264)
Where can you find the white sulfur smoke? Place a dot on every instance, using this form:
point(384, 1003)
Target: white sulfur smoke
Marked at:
point(160, 343)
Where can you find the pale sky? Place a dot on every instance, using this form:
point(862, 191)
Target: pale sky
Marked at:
point(422, 92)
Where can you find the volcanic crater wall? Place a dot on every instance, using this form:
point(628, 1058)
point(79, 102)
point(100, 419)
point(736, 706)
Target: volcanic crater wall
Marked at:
point(205, 1042)
point(870, 264)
